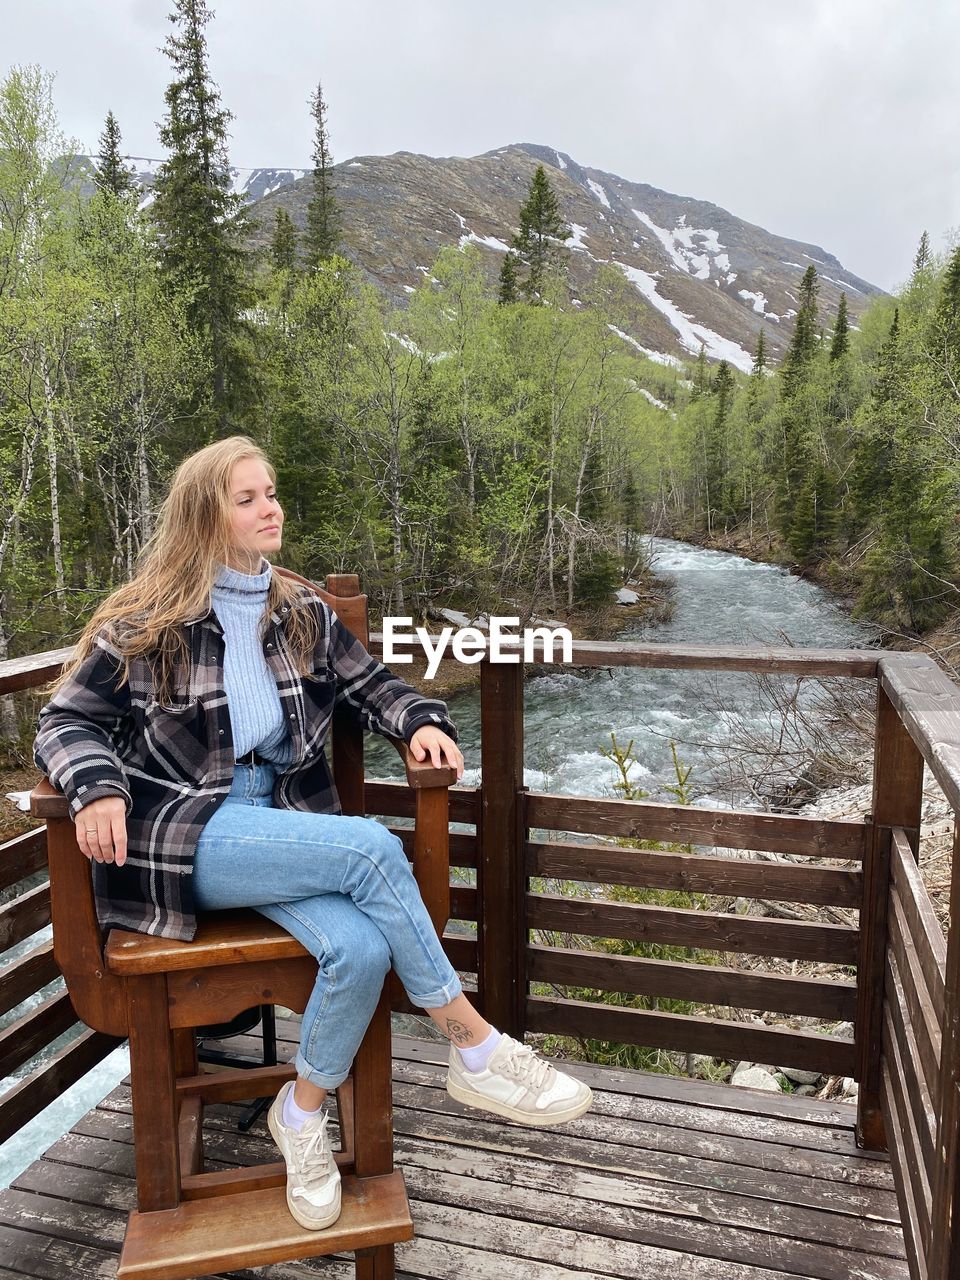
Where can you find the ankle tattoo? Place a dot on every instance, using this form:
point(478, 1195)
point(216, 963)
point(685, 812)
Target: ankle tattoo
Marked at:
point(458, 1032)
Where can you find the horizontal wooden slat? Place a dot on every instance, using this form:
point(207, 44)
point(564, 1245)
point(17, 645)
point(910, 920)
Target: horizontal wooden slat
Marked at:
point(23, 856)
point(30, 1095)
point(911, 1220)
point(461, 951)
point(396, 800)
point(923, 927)
point(923, 1017)
point(463, 847)
point(24, 915)
point(832, 1000)
point(463, 902)
point(737, 1040)
point(28, 1035)
point(678, 926)
point(695, 873)
point(27, 975)
point(689, 824)
point(32, 671)
point(860, 663)
point(253, 1228)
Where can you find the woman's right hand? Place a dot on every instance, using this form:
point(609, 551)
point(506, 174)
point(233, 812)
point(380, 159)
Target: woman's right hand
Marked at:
point(102, 830)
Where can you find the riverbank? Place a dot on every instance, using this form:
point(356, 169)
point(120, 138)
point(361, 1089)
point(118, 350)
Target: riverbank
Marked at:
point(838, 576)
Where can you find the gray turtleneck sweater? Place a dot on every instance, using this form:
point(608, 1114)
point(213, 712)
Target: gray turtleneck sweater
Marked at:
point(239, 601)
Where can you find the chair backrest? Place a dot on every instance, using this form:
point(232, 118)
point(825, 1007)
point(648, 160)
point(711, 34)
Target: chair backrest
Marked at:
point(78, 945)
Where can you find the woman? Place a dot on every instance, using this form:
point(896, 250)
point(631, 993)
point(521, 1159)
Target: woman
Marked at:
point(188, 734)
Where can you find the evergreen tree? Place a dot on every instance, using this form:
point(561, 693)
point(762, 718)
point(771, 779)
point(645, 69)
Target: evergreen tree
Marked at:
point(760, 355)
point(947, 319)
point(841, 332)
point(509, 280)
point(111, 174)
point(700, 377)
point(541, 228)
point(888, 364)
point(323, 214)
point(803, 345)
point(716, 469)
point(202, 224)
point(283, 246)
point(922, 257)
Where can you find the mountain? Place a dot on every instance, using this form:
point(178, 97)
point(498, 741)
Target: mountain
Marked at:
point(701, 275)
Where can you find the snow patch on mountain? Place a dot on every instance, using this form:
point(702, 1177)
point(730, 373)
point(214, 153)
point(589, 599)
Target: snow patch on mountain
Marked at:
point(659, 357)
point(647, 395)
point(488, 242)
point(759, 301)
point(685, 256)
point(841, 284)
point(692, 336)
point(599, 192)
point(471, 237)
point(576, 236)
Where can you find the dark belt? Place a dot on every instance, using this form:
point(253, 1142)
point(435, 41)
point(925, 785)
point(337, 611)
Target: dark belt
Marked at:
point(253, 758)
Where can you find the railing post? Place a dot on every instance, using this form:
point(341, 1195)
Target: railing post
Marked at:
point(501, 878)
point(944, 1260)
point(897, 799)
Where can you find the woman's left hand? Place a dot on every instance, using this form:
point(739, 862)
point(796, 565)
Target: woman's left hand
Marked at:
point(439, 746)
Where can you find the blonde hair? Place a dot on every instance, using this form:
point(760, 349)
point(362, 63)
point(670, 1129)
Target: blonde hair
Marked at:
point(176, 569)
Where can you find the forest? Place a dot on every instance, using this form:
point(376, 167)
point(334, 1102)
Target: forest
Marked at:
point(495, 445)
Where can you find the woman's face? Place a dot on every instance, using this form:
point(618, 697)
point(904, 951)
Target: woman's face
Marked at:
point(255, 514)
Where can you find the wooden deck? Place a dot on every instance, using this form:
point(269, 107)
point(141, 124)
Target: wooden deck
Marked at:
point(663, 1178)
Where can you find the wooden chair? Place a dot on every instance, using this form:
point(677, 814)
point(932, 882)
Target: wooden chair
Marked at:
point(155, 991)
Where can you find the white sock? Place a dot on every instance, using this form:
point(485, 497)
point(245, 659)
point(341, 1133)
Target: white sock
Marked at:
point(294, 1116)
point(476, 1056)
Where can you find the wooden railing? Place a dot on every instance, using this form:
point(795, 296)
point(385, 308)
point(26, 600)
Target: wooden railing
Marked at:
point(26, 913)
point(904, 1003)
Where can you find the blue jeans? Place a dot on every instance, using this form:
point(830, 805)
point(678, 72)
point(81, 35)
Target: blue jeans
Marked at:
point(344, 889)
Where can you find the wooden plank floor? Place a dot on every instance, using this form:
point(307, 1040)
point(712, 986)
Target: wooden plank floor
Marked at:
point(664, 1179)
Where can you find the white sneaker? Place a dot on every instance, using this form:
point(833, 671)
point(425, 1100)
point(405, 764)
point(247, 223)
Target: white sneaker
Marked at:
point(313, 1179)
point(518, 1085)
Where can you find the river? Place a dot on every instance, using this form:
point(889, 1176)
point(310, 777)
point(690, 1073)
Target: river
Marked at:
point(569, 717)
point(720, 599)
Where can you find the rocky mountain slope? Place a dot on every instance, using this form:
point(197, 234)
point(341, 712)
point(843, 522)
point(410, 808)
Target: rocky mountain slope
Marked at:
point(700, 274)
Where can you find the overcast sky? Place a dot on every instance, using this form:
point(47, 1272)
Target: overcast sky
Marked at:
point(834, 121)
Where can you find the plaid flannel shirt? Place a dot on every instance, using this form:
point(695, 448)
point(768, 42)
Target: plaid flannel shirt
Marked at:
point(174, 764)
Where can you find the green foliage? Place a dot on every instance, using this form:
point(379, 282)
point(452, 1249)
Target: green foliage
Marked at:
point(469, 450)
point(202, 223)
point(509, 291)
point(840, 343)
point(542, 231)
point(283, 246)
point(323, 214)
point(111, 173)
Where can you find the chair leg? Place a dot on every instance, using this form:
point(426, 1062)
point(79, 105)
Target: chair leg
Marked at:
point(373, 1125)
point(373, 1097)
point(376, 1264)
point(153, 1079)
point(184, 1052)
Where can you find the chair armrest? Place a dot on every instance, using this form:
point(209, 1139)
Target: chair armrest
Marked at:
point(47, 802)
point(420, 773)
